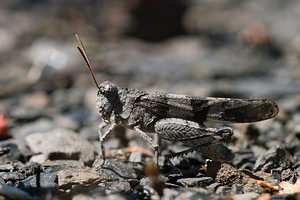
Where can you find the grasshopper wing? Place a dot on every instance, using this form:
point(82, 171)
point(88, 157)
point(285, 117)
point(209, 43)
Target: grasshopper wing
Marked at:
point(200, 109)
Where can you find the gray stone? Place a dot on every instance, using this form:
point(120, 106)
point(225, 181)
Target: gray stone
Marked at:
point(68, 178)
point(119, 186)
point(288, 175)
point(39, 126)
point(192, 195)
point(135, 157)
point(40, 158)
point(115, 169)
point(9, 152)
point(61, 144)
point(92, 192)
point(13, 192)
point(248, 196)
point(12, 176)
point(170, 194)
point(90, 133)
point(223, 190)
point(47, 180)
point(195, 182)
point(6, 167)
point(276, 157)
point(213, 187)
point(58, 165)
point(236, 189)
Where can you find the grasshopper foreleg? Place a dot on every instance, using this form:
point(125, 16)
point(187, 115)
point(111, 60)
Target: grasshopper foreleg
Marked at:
point(103, 136)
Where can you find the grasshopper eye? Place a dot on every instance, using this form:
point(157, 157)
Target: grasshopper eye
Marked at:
point(107, 89)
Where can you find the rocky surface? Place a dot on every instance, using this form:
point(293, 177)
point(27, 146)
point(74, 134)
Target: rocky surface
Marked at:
point(49, 124)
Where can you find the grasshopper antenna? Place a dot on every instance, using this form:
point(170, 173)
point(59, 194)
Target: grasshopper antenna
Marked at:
point(86, 59)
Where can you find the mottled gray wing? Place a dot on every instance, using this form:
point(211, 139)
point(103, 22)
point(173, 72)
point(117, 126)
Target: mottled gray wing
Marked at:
point(200, 109)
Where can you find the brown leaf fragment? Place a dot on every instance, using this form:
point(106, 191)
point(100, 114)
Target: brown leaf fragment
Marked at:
point(288, 188)
point(136, 148)
point(267, 185)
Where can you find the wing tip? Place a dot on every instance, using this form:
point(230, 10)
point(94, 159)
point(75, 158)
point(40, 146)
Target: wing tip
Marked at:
point(273, 108)
point(269, 108)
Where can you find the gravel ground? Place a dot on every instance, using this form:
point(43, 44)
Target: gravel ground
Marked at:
point(48, 121)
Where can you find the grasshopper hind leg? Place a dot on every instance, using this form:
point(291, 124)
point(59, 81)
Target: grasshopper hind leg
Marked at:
point(204, 140)
point(174, 129)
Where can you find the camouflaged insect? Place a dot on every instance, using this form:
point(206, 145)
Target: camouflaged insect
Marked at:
point(175, 117)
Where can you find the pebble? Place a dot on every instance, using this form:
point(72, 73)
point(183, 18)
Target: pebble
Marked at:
point(68, 177)
point(195, 182)
point(119, 186)
point(223, 190)
point(57, 165)
point(244, 160)
point(288, 175)
point(236, 189)
point(40, 125)
point(135, 157)
point(89, 192)
point(6, 167)
point(9, 152)
point(25, 114)
point(35, 100)
point(90, 133)
point(276, 157)
point(61, 144)
point(213, 187)
point(115, 169)
point(248, 196)
point(12, 176)
point(47, 180)
point(226, 174)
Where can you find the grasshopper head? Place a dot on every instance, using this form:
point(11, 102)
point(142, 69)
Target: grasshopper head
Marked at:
point(107, 96)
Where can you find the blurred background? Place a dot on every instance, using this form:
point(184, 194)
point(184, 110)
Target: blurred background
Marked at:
point(221, 48)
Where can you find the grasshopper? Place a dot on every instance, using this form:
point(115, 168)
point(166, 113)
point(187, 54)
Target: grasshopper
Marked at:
point(174, 117)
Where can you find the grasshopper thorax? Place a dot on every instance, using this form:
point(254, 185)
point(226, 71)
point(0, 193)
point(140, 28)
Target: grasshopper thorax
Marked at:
point(107, 96)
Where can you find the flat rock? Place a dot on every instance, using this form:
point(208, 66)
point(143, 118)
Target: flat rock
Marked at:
point(12, 176)
point(67, 178)
point(248, 196)
point(9, 152)
point(120, 186)
point(195, 182)
point(6, 167)
point(276, 157)
point(58, 165)
point(61, 144)
point(115, 169)
point(225, 173)
point(47, 180)
point(39, 126)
